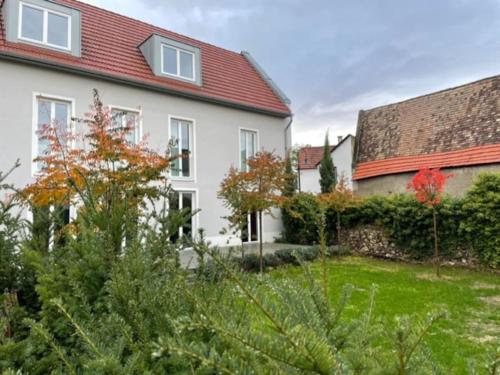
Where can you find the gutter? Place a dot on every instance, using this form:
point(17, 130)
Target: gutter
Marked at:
point(135, 83)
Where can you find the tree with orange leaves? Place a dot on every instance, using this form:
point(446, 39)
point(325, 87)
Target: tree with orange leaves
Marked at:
point(338, 200)
point(256, 190)
point(99, 169)
point(428, 185)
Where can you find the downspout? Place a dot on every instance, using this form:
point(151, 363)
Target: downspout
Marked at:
point(286, 129)
point(287, 151)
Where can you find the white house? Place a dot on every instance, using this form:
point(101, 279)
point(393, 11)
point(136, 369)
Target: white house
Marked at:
point(220, 105)
point(310, 157)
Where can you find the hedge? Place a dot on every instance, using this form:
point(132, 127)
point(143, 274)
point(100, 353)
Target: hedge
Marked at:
point(408, 223)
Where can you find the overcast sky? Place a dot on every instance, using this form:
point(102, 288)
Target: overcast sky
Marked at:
point(335, 57)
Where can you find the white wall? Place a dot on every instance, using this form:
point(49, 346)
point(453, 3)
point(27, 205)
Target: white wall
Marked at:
point(309, 181)
point(216, 131)
point(342, 160)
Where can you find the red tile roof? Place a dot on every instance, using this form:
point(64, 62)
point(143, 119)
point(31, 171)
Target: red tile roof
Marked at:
point(489, 154)
point(454, 127)
point(110, 48)
point(309, 157)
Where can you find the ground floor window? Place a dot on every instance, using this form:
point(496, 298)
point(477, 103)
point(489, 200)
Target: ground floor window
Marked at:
point(48, 225)
point(183, 201)
point(250, 229)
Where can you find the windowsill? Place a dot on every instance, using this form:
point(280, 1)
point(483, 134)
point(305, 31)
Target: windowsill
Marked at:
point(181, 179)
point(179, 77)
point(49, 46)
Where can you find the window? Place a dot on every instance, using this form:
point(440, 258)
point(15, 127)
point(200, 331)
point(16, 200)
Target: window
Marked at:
point(181, 136)
point(48, 225)
point(44, 26)
point(183, 201)
point(177, 62)
point(248, 147)
point(128, 120)
point(53, 113)
point(250, 230)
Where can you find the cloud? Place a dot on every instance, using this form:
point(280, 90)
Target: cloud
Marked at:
point(335, 57)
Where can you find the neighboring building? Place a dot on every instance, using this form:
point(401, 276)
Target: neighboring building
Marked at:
point(310, 157)
point(457, 130)
point(219, 104)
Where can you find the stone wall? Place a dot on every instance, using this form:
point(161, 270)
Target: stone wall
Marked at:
point(370, 240)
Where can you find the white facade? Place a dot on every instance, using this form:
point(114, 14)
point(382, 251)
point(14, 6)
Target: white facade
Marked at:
point(215, 137)
point(342, 160)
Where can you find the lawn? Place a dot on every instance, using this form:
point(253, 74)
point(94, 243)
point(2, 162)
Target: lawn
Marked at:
point(472, 300)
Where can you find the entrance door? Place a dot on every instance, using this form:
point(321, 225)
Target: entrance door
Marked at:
point(250, 230)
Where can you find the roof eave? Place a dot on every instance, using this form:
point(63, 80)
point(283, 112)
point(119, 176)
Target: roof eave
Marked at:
point(269, 81)
point(136, 83)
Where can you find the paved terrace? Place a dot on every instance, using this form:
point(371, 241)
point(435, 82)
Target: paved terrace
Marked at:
point(189, 258)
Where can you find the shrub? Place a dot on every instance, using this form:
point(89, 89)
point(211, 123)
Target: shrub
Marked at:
point(300, 224)
point(481, 210)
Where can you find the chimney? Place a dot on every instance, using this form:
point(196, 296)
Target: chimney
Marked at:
point(339, 139)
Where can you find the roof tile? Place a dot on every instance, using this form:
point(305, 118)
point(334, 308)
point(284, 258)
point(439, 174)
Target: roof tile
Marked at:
point(110, 46)
point(441, 129)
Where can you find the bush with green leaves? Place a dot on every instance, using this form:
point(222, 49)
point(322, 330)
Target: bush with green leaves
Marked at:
point(300, 224)
point(481, 218)
point(409, 224)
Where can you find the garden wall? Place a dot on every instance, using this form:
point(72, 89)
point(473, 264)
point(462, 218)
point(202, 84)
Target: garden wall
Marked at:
point(372, 241)
point(400, 227)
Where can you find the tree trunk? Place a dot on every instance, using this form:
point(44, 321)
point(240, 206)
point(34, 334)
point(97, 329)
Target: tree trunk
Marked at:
point(261, 256)
point(338, 227)
point(436, 248)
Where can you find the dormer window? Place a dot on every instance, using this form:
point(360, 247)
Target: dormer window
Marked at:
point(177, 62)
point(172, 59)
point(44, 26)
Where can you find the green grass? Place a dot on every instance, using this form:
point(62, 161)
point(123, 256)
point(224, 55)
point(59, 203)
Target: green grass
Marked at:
point(471, 299)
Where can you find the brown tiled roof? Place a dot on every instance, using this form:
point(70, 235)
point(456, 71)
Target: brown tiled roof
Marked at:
point(110, 48)
point(309, 157)
point(452, 123)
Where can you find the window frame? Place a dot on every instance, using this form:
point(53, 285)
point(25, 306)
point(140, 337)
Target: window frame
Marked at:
point(138, 111)
point(194, 207)
point(44, 41)
point(34, 128)
point(241, 130)
point(192, 151)
point(249, 234)
point(73, 213)
point(178, 59)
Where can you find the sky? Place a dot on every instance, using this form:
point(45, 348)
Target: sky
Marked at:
point(335, 57)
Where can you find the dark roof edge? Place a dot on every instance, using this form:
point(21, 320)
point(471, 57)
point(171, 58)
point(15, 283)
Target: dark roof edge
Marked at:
point(136, 83)
point(274, 87)
point(343, 139)
point(334, 147)
point(434, 92)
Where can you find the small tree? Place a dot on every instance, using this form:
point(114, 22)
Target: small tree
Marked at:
point(338, 200)
point(100, 170)
point(258, 190)
point(327, 180)
point(290, 185)
point(428, 185)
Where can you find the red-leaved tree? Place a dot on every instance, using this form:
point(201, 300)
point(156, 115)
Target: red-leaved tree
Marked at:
point(428, 185)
